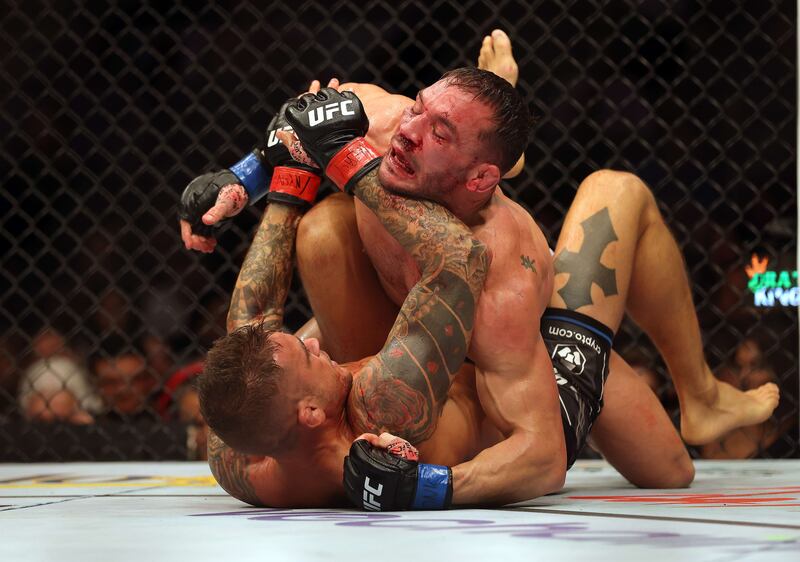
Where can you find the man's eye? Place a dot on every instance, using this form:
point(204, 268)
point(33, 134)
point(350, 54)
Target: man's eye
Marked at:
point(437, 135)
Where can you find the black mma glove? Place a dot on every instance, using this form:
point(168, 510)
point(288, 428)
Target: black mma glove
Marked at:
point(377, 480)
point(331, 126)
point(253, 172)
point(200, 195)
point(292, 183)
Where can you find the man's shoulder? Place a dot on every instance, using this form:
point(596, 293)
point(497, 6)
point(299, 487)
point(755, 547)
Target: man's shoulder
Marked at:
point(522, 266)
point(287, 485)
point(509, 229)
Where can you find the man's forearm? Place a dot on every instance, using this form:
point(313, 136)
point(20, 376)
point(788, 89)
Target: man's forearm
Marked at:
point(263, 282)
point(431, 234)
point(405, 386)
point(510, 471)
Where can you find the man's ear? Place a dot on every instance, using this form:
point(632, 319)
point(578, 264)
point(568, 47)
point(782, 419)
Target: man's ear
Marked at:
point(484, 178)
point(309, 413)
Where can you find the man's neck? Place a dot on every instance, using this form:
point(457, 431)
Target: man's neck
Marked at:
point(323, 449)
point(311, 473)
point(468, 210)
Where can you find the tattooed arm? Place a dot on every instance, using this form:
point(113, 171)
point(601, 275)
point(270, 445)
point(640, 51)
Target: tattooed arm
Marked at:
point(266, 273)
point(260, 294)
point(403, 388)
point(232, 469)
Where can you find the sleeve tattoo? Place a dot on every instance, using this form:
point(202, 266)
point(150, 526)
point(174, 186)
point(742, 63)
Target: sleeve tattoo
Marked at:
point(405, 386)
point(231, 470)
point(263, 282)
point(260, 294)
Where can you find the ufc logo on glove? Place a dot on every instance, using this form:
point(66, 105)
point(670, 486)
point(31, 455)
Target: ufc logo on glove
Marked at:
point(371, 494)
point(326, 112)
point(272, 140)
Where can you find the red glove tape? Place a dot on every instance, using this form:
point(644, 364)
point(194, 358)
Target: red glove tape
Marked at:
point(295, 182)
point(348, 161)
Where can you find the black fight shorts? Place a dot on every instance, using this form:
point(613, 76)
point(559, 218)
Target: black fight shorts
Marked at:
point(580, 348)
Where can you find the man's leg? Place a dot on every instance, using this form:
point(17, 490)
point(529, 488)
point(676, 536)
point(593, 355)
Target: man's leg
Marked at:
point(350, 306)
point(615, 251)
point(495, 56)
point(635, 434)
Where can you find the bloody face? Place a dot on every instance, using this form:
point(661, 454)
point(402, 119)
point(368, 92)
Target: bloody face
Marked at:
point(437, 144)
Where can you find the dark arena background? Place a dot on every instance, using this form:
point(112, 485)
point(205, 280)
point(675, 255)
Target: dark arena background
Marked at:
point(109, 110)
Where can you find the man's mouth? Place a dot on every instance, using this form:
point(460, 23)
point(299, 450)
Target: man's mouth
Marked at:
point(400, 163)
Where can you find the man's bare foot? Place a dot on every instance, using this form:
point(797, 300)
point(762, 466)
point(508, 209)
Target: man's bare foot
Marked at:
point(495, 56)
point(723, 408)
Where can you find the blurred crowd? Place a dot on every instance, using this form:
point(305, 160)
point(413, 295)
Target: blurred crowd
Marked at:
point(112, 372)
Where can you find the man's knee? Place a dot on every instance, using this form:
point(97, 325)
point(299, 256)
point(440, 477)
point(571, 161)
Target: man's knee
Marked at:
point(687, 472)
point(613, 185)
point(683, 472)
point(679, 473)
point(327, 228)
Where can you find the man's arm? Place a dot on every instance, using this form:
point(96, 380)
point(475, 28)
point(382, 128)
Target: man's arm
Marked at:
point(404, 387)
point(517, 391)
point(263, 282)
point(259, 295)
point(519, 396)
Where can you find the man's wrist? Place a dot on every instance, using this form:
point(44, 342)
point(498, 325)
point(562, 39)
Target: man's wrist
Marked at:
point(294, 186)
point(434, 487)
point(253, 175)
point(281, 211)
point(351, 163)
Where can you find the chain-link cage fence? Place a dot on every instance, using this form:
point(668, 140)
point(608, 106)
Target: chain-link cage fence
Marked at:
point(111, 108)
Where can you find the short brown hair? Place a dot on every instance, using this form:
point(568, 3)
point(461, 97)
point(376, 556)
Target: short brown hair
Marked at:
point(239, 388)
point(510, 131)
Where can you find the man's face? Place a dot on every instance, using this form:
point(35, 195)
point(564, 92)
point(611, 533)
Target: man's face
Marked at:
point(125, 382)
point(436, 145)
point(308, 367)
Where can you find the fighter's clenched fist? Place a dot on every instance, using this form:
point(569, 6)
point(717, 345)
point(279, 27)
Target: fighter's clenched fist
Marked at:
point(206, 192)
point(381, 473)
point(209, 200)
point(292, 182)
point(331, 126)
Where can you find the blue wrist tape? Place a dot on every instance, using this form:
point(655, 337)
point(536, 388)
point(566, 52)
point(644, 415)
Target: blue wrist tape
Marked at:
point(433, 482)
point(253, 176)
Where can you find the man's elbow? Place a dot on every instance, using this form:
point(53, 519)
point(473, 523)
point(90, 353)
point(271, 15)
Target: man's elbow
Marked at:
point(547, 471)
point(552, 471)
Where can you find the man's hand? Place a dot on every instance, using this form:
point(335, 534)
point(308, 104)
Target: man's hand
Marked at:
point(212, 198)
point(383, 474)
point(293, 182)
point(331, 125)
point(206, 202)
